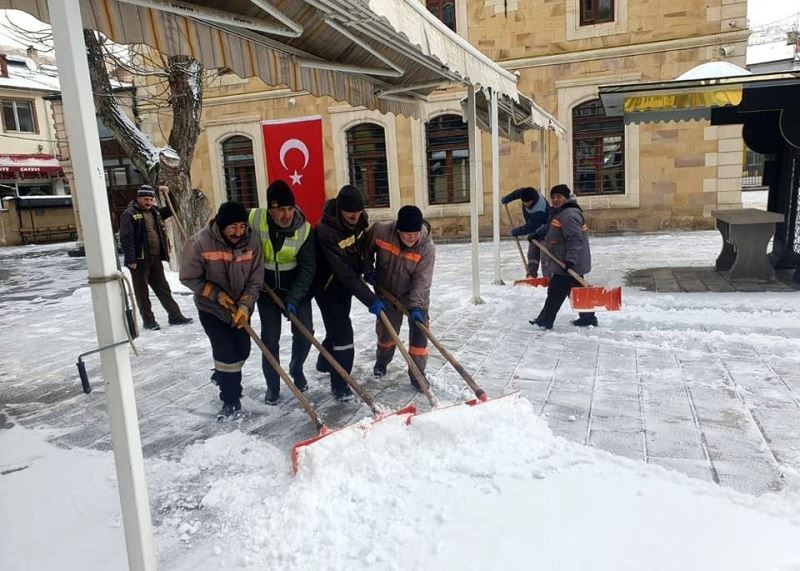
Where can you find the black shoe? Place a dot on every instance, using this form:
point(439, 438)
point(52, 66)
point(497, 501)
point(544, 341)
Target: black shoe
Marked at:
point(151, 325)
point(342, 395)
point(585, 322)
point(271, 398)
point(379, 370)
point(229, 409)
point(540, 325)
point(415, 384)
point(322, 365)
point(299, 379)
point(181, 320)
point(214, 377)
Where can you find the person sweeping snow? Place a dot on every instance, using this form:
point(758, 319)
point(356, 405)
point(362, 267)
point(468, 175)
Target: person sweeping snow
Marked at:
point(536, 211)
point(402, 255)
point(223, 265)
point(565, 235)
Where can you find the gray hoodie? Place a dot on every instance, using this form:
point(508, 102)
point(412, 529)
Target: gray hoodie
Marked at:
point(566, 238)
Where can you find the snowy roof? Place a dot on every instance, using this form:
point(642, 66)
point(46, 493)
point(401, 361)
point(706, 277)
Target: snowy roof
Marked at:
point(24, 73)
point(772, 51)
point(713, 69)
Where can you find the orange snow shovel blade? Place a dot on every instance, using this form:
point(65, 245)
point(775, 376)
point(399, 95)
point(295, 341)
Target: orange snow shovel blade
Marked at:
point(299, 447)
point(596, 298)
point(533, 282)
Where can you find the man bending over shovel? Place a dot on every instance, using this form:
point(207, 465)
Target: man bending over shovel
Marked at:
point(565, 236)
point(402, 253)
point(536, 211)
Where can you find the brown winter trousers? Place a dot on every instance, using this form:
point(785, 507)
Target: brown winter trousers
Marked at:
point(151, 272)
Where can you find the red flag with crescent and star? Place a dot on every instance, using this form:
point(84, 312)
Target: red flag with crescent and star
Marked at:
point(293, 149)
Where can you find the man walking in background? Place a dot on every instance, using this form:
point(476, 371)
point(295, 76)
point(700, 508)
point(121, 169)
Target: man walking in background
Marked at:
point(145, 248)
point(287, 244)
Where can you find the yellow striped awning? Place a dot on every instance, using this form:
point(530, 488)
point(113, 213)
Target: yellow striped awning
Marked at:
point(712, 97)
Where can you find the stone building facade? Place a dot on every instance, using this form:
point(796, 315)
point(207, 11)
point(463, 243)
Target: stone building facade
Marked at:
point(628, 177)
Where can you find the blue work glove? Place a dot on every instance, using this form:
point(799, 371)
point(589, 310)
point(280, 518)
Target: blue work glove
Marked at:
point(569, 265)
point(417, 315)
point(376, 307)
point(291, 309)
point(369, 277)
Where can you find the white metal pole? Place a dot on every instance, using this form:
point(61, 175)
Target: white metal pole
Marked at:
point(472, 128)
point(101, 252)
point(543, 162)
point(498, 278)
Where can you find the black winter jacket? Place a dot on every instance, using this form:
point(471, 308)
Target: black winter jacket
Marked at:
point(341, 254)
point(132, 232)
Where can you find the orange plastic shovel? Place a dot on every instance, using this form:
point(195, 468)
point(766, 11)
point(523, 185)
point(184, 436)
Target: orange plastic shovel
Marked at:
point(588, 297)
point(540, 282)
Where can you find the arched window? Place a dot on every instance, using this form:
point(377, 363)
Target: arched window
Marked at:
point(445, 10)
point(447, 153)
point(366, 163)
point(240, 170)
point(599, 150)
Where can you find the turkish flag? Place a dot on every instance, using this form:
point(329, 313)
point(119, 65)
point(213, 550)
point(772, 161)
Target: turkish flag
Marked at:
point(293, 149)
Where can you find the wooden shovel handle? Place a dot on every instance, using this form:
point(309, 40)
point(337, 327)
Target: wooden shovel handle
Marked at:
point(174, 215)
point(324, 352)
point(519, 246)
point(286, 379)
point(552, 256)
point(412, 366)
point(479, 392)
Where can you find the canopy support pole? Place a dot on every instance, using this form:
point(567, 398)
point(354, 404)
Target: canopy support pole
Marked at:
point(101, 259)
point(543, 161)
point(474, 228)
point(498, 278)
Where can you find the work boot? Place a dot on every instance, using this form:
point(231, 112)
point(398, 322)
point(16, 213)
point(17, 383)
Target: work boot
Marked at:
point(322, 364)
point(215, 377)
point(539, 324)
point(415, 384)
point(342, 394)
point(379, 370)
point(299, 379)
point(581, 322)
point(180, 320)
point(271, 398)
point(151, 325)
point(229, 409)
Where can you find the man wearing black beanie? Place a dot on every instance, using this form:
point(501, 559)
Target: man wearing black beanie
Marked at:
point(341, 236)
point(287, 243)
point(536, 211)
point(222, 264)
point(402, 254)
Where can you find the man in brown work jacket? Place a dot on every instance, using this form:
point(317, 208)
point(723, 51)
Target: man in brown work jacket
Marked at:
point(402, 253)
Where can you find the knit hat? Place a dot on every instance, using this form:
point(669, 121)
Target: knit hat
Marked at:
point(409, 219)
point(146, 190)
point(230, 213)
point(561, 189)
point(350, 199)
point(279, 194)
point(527, 194)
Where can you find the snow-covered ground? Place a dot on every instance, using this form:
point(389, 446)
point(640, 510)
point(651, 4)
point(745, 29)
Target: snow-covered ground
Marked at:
point(588, 468)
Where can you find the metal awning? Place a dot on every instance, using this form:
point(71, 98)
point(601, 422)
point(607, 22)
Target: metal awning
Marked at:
point(515, 117)
point(683, 100)
point(380, 54)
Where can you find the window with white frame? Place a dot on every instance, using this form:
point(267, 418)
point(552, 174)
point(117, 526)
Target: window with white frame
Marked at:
point(596, 12)
point(598, 150)
point(366, 163)
point(447, 154)
point(19, 115)
point(239, 168)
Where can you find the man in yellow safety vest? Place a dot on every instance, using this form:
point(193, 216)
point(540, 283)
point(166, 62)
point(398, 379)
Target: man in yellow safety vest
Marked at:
point(289, 253)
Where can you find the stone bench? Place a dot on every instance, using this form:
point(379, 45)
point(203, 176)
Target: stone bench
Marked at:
point(745, 235)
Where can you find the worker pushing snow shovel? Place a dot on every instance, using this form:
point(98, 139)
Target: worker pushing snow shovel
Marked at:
point(569, 260)
point(536, 211)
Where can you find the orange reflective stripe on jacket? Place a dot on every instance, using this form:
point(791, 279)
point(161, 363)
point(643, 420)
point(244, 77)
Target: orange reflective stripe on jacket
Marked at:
point(223, 256)
point(392, 249)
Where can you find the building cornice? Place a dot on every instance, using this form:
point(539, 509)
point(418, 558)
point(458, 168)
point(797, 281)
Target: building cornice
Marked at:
point(627, 50)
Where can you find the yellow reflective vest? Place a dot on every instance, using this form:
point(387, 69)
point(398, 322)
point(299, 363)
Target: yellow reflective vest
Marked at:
point(284, 259)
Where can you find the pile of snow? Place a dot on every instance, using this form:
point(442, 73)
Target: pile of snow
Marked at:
point(461, 488)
